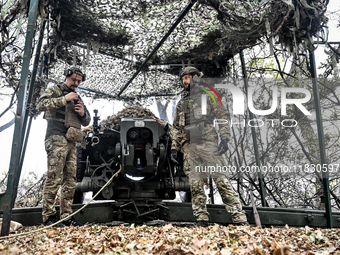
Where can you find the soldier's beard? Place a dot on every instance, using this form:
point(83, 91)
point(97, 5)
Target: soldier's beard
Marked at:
point(187, 88)
point(74, 88)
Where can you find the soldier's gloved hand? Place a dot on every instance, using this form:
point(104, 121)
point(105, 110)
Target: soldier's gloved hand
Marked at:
point(174, 156)
point(222, 147)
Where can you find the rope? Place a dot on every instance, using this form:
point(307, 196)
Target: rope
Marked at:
point(68, 217)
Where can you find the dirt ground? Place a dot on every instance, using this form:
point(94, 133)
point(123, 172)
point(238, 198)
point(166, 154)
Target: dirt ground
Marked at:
point(172, 239)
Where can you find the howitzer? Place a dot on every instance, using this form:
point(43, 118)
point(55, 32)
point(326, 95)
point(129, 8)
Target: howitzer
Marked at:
point(141, 149)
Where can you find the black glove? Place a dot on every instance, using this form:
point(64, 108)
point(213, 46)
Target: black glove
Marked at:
point(174, 157)
point(222, 147)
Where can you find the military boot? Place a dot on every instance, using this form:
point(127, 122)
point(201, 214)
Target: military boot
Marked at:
point(52, 220)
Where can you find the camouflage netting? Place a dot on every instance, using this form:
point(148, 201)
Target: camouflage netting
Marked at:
point(210, 34)
point(135, 111)
point(286, 22)
point(110, 39)
point(142, 24)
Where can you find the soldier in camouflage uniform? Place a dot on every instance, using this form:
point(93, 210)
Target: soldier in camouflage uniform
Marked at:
point(65, 114)
point(195, 136)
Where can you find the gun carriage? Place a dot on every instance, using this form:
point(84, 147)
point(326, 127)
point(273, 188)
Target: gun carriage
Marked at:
point(141, 149)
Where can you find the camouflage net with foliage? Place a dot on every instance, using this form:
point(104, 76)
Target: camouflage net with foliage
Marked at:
point(290, 23)
point(135, 111)
point(110, 39)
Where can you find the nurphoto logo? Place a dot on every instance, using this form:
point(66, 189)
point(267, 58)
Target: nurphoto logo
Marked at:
point(239, 104)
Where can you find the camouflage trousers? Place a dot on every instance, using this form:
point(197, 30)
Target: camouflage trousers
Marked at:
point(196, 154)
point(61, 157)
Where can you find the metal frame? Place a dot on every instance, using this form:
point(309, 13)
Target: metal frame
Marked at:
point(121, 212)
point(253, 134)
point(174, 25)
point(323, 157)
point(7, 199)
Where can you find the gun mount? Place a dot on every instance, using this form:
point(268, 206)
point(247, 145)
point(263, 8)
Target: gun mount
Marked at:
point(141, 148)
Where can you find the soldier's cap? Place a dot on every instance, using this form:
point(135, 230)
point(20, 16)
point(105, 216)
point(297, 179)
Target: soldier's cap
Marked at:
point(190, 70)
point(76, 70)
point(73, 69)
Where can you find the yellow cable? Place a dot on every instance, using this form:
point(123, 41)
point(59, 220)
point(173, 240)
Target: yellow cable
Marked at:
point(68, 217)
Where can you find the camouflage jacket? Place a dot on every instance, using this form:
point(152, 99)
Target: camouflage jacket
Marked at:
point(53, 99)
point(213, 111)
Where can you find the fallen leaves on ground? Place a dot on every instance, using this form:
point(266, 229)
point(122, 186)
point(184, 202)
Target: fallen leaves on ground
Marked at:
point(171, 239)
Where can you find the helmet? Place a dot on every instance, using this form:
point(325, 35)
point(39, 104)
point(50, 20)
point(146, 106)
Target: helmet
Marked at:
point(190, 70)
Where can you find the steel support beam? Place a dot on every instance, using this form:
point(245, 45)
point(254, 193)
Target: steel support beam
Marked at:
point(253, 134)
point(8, 198)
point(323, 157)
point(108, 212)
point(167, 34)
point(30, 94)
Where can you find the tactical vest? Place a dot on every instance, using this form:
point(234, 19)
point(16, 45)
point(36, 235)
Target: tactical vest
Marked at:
point(192, 109)
point(194, 120)
point(64, 114)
